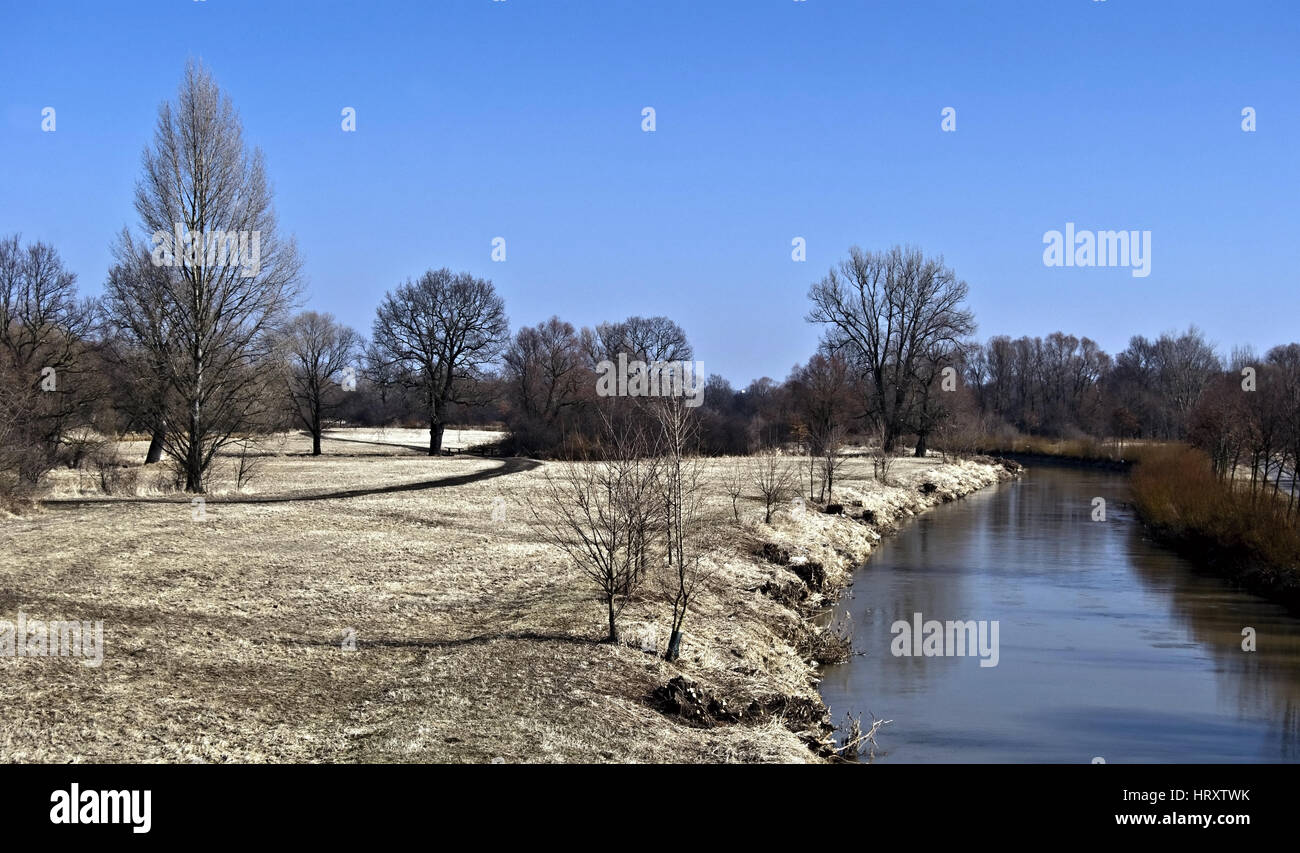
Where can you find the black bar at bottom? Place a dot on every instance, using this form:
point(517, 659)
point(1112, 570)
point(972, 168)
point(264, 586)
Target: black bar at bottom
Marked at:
point(334, 803)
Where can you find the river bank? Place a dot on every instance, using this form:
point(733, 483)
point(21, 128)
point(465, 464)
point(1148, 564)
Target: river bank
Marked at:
point(806, 559)
point(378, 605)
point(1110, 645)
point(1108, 455)
point(1248, 539)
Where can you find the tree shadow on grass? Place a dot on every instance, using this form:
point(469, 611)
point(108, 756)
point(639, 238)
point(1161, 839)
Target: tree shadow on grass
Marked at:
point(476, 640)
point(512, 465)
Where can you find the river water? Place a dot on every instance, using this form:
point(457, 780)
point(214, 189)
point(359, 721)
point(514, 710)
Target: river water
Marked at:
point(1109, 646)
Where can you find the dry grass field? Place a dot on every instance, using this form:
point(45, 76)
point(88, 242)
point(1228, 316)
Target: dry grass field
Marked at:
point(224, 638)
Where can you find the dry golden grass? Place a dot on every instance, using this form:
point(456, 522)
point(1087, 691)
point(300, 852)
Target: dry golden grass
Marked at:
point(1251, 536)
point(1087, 449)
point(475, 640)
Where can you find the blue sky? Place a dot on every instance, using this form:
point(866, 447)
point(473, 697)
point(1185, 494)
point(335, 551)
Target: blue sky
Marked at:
point(775, 119)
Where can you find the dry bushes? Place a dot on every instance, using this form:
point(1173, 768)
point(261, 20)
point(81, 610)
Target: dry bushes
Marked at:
point(1247, 536)
point(116, 476)
point(1085, 448)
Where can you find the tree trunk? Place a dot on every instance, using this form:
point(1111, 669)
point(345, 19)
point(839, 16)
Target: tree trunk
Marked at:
point(435, 436)
point(155, 447)
point(674, 646)
point(194, 462)
point(920, 445)
point(890, 439)
point(613, 626)
point(315, 432)
point(668, 534)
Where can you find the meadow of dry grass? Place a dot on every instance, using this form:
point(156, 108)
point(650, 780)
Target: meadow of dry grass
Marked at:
point(475, 640)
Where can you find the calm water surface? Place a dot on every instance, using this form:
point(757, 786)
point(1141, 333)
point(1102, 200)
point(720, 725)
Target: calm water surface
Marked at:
point(1110, 645)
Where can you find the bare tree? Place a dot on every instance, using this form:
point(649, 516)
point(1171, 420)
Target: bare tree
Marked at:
point(249, 462)
point(440, 333)
point(773, 478)
point(649, 339)
point(385, 381)
point(733, 483)
point(141, 338)
point(681, 472)
point(319, 350)
point(882, 459)
point(1159, 381)
point(24, 458)
point(229, 279)
point(545, 377)
point(44, 351)
point(831, 460)
point(602, 514)
point(883, 312)
point(802, 436)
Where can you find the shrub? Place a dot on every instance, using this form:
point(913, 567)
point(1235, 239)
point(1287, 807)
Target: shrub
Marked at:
point(1249, 535)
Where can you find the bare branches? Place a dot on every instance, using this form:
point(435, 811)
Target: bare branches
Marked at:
point(831, 443)
point(438, 335)
point(733, 483)
point(681, 488)
point(854, 737)
point(318, 349)
point(46, 381)
point(649, 339)
point(882, 459)
point(606, 511)
point(883, 312)
point(248, 464)
point(773, 478)
point(545, 377)
point(206, 319)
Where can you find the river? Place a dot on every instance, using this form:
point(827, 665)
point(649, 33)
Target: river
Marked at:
point(1110, 646)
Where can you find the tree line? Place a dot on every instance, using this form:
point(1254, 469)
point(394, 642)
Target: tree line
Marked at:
point(199, 350)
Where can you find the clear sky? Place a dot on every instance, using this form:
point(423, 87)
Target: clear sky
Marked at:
point(775, 119)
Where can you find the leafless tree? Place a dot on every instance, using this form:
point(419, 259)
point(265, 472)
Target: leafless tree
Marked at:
point(823, 393)
point(734, 480)
point(24, 458)
point(831, 460)
point(249, 462)
point(44, 352)
point(802, 436)
point(1286, 362)
point(206, 204)
point(319, 350)
point(882, 312)
point(441, 333)
point(882, 459)
point(546, 378)
point(141, 338)
point(773, 478)
point(606, 511)
point(680, 483)
point(649, 339)
point(1159, 381)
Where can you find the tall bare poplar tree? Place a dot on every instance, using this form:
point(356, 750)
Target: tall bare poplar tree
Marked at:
point(227, 278)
